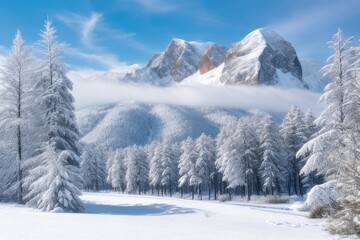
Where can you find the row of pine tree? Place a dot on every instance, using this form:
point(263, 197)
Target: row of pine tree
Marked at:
point(252, 156)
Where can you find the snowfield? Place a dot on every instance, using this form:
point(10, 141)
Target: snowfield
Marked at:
point(116, 216)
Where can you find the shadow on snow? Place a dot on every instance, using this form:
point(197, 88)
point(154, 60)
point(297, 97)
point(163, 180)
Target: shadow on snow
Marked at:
point(136, 210)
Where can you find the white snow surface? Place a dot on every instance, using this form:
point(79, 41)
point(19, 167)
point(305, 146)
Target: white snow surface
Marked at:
point(115, 216)
point(287, 80)
point(322, 195)
point(210, 78)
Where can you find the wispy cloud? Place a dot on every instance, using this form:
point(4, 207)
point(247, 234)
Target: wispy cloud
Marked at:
point(244, 97)
point(89, 27)
point(303, 20)
point(107, 60)
point(93, 29)
point(158, 6)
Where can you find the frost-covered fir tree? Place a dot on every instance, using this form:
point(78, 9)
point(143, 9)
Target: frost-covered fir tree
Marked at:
point(93, 169)
point(272, 168)
point(310, 126)
point(241, 154)
point(137, 170)
point(311, 178)
point(221, 157)
point(55, 181)
point(294, 136)
point(17, 80)
point(205, 163)
point(328, 145)
point(117, 170)
point(169, 175)
point(155, 166)
point(334, 151)
point(187, 164)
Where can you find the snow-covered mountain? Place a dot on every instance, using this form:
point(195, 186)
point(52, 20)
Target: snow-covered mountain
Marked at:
point(179, 60)
point(124, 124)
point(263, 57)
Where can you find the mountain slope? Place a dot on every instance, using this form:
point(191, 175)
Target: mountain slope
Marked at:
point(124, 124)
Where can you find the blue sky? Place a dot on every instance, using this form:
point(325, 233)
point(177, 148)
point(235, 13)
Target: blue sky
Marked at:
point(105, 34)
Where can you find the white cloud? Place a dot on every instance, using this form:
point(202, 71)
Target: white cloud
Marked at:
point(89, 27)
point(85, 25)
point(304, 20)
point(90, 93)
point(107, 60)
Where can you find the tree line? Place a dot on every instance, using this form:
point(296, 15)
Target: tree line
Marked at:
point(254, 155)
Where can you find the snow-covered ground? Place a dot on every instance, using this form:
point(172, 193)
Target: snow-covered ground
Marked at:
point(115, 216)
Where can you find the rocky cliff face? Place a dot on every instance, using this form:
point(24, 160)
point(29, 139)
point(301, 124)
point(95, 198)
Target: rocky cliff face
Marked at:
point(213, 57)
point(179, 60)
point(263, 57)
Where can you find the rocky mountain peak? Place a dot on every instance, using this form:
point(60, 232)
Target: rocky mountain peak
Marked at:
point(263, 57)
point(179, 60)
point(213, 57)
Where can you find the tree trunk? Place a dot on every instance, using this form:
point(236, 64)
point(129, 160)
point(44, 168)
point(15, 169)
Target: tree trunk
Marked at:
point(170, 192)
point(19, 170)
point(192, 191)
point(200, 193)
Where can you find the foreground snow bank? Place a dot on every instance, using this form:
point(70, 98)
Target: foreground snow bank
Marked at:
point(113, 216)
point(321, 195)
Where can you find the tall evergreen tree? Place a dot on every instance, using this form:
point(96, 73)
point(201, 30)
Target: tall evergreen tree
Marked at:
point(272, 168)
point(55, 181)
point(187, 164)
point(293, 132)
point(205, 163)
point(169, 176)
point(93, 169)
point(16, 117)
point(137, 170)
point(334, 151)
point(117, 170)
point(155, 166)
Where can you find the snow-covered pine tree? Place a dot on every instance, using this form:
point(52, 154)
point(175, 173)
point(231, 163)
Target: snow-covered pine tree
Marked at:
point(187, 164)
point(327, 147)
point(92, 167)
point(334, 149)
point(241, 156)
point(55, 181)
point(205, 163)
point(310, 126)
point(221, 154)
point(272, 168)
point(293, 133)
point(311, 178)
point(155, 166)
point(169, 175)
point(117, 171)
point(17, 80)
point(137, 170)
